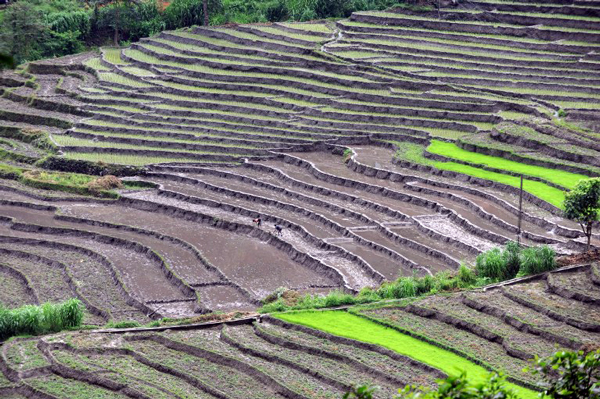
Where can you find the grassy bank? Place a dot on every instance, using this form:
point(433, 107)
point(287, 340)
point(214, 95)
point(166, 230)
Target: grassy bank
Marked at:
point(355, 327)
point(403, 287)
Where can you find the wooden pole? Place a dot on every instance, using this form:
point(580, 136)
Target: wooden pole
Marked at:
point(205, 11)
point(520, 213)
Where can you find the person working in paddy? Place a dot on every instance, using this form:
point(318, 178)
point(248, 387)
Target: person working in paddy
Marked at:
point(258, 221)
point(279, 229)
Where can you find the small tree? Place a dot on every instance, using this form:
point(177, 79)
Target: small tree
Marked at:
point(582, 205)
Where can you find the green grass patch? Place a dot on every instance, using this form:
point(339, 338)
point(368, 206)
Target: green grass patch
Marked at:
point(72, 183)
point(310, 27)
point(556, 176)
point(96, 64)
point(10, 172)
point(414, 153)
point(122, 80)
point(355, 327)
point(550, 194)
point(113, 55)
point(300, 36)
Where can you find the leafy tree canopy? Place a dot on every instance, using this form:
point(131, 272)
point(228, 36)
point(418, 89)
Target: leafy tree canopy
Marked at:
point(582, 204)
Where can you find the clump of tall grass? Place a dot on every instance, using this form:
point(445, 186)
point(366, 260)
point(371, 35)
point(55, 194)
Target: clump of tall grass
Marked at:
point(537, 260)
point(34, 320)
point(491, 264)
point(499, 265)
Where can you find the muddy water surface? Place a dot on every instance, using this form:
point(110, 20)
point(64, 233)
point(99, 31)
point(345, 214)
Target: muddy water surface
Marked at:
point(248, 262)
point(142, 275)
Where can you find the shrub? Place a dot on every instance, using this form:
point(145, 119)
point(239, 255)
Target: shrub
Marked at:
point(181, 13)
point(512, 259)
point(569, 375)
point(491, 264)
point(277, 12)
point(424, 285)
point(361, 392)
point(404, 288)
point(497, 265)
point(537, 260)
point(33, 320)
point(347, 155)
point(460, 387)
point(71, 313)
point(466, 277)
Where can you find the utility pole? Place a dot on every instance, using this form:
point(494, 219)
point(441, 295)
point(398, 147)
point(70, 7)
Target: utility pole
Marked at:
point(520, 213)
point(205, 11)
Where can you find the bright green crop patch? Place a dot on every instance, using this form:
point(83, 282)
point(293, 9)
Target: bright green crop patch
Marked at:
point(556, 176)
point(354, 327)
point(550, 194)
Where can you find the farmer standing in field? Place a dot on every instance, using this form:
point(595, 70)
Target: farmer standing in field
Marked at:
point(258, 221)
point(279, 229)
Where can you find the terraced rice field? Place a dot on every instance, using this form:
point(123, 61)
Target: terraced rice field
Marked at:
point(388, 144)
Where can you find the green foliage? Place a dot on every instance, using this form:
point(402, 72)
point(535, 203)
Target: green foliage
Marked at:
point(491, 264)
point(70, 21)
point(512, 259)
point(459, 387)
point(182, 13)
point(22, 32)
point(347, 155)
point(361, 392)
point(466, 277)
point(569, 375)
point(498, 265)
point(536, 260)
point(10, 172)
point(562, 113)
point(34, 320)
point(582, 205)
point(32, 29)
point(249, 11)
point(128, 20)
